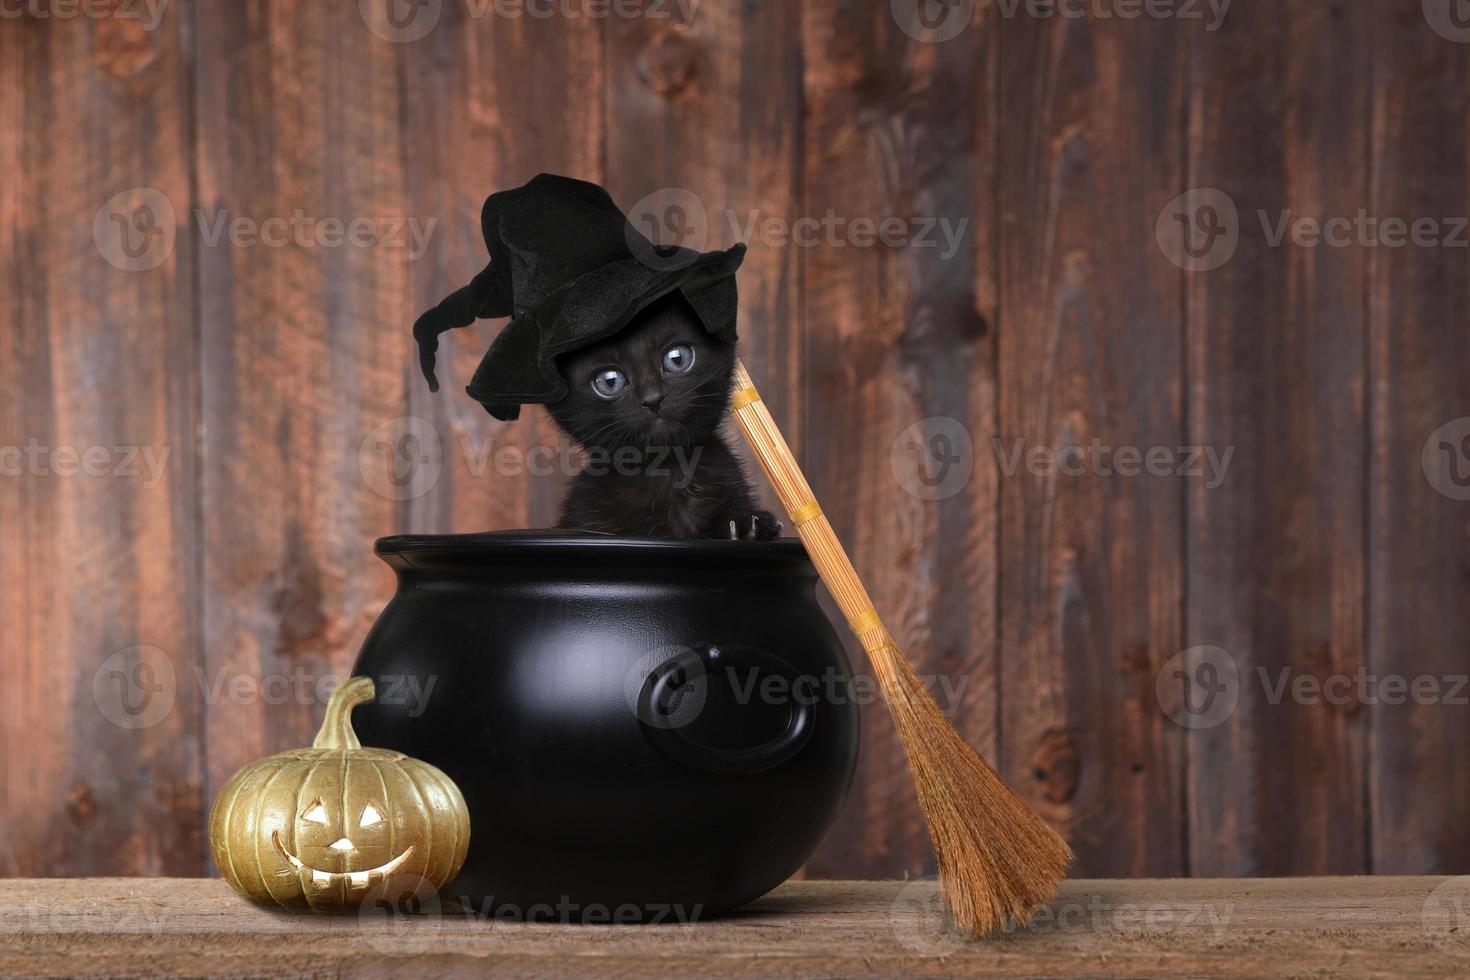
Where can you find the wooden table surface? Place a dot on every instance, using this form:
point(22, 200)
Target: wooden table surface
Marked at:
point(1389, 927)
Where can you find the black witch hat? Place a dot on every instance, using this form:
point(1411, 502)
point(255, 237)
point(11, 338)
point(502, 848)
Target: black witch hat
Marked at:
point(569, 269)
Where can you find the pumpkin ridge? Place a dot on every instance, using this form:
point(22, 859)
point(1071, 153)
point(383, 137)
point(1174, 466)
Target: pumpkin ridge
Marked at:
point(429, 814)
point(247, 779)
point(390, 812)
point(461, 820)
point(339, 884)
point(225, 822)
point(454, 844)
point(255, 838)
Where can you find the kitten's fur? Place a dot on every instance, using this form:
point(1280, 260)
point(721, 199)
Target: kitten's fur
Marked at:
point(657, 465)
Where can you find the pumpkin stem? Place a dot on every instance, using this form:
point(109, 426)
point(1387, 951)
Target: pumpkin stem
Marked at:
point(336, 731)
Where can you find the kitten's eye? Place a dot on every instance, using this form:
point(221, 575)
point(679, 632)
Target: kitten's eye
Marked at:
point(609, 383)
point(678, 359)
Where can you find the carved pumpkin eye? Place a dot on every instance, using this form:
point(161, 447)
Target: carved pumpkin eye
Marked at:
point(316, 813)
point(370, 816)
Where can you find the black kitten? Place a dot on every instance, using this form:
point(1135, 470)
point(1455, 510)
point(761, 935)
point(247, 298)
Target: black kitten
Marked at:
point(646, 406)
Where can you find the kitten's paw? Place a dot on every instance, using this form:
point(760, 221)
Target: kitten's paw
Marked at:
point(762, 526)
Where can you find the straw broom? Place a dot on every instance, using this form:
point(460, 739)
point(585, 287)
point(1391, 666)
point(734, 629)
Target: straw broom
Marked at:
point(998, 860)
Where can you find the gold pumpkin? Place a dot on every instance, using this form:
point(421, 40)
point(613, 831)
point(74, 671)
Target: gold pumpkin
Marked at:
point(315, 829)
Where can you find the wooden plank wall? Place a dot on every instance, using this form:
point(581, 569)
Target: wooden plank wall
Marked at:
point(162, 618)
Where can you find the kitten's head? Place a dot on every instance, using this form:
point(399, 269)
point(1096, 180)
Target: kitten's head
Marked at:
point(663, 380)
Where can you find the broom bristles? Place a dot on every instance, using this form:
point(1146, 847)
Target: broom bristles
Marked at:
point(998, 860)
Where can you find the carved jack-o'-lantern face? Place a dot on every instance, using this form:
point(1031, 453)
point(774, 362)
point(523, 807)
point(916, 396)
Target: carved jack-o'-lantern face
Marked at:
point(345, 855)
point(316, 828)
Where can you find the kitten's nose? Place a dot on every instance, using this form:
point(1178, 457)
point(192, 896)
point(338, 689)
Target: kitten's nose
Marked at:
point(652, 402)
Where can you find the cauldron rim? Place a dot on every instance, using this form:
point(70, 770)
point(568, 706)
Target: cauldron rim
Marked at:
point(561, 545)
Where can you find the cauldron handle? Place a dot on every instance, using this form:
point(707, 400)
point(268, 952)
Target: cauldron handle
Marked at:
point(668, 731)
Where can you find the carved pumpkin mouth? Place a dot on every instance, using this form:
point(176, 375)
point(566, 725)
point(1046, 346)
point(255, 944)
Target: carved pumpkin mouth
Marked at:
point(355, 878)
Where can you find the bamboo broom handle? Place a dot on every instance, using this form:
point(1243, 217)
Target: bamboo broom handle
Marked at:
point(811, 524)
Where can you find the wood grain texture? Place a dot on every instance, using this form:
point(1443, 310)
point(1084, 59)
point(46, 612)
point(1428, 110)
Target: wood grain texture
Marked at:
point(1337, 927)
point(304, 357)
point(1419, 585)
point(1091, 351)
point(668, 80)
point(279, 378)
point(899, 334)
point(490, 102)
point(100, 765)
point(1276, 376)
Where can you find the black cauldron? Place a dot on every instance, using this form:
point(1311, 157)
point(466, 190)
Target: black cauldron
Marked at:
point(642, 729)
